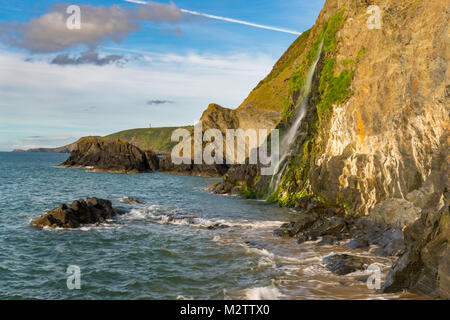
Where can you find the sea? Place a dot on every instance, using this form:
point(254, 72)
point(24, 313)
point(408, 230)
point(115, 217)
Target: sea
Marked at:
point(166, 247)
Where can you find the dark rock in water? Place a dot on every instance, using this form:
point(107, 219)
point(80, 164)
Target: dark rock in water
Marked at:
point(424, 267)
point(284, 230)
point(305, 221)
point(303, 238)
point(363, 278)
point(358, 243)
point(327, 240)
point(130, 200)
point(316, 220)
point(335, 226)
point(101, 155)
point(342, 264)
point(214, 170)
point(217, 226)
point(91, 211)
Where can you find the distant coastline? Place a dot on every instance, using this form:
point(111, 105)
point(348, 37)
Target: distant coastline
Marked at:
point(64, 149)
point(45, 150)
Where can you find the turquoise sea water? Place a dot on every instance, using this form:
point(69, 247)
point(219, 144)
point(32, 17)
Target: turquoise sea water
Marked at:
point(136, 256)
point(144, 254)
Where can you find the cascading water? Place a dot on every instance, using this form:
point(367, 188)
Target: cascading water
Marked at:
point(291, 134)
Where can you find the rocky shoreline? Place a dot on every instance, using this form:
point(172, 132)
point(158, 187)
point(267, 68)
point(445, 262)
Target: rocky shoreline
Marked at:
point(368, 161)
point(421, 246)
point(421, 249)
point(98, 155)
point(418, 239)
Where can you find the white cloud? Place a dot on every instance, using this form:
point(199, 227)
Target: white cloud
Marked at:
point(38, 97)
point(48, 33)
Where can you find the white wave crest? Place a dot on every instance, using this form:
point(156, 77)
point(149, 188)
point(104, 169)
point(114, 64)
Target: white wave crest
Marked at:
point(263, 293)
point(175, 216)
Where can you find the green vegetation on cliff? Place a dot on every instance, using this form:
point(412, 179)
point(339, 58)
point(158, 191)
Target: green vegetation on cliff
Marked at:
point(155, 139)
point(331, 89)
point(272, 90)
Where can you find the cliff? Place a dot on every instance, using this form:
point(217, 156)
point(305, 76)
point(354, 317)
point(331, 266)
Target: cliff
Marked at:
point(117, 156)
point(376, 124)
point(100, 154)
point(263, 107)
point(364, 131)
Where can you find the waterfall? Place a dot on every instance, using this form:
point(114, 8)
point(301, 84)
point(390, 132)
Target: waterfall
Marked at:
point(289, 137)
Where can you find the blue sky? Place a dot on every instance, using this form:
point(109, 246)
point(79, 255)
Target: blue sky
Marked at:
point(165, 72)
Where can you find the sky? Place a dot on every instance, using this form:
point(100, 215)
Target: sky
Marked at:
point(132, 64)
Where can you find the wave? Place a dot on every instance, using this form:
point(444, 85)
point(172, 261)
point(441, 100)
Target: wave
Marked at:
point(174, 216)
point(266, 263)
point(263, 293)
point(108, 224)
point(157, 214)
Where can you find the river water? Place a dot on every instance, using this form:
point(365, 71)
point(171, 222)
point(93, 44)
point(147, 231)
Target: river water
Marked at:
point(160, 249)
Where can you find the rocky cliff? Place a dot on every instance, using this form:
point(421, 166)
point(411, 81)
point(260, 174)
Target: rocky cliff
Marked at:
point(371, 141)
point(100, 154)
point(117, 156)
point(424, 266)
point(379, 110)
point(263, 107)
point(376, 125)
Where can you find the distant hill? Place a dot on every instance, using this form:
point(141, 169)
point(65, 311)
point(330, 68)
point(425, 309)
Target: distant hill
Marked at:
point(155, 139)
point(64, 149)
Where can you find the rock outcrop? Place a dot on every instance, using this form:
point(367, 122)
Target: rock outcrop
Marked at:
point(342, 264)
point(214, 170)
point(381, 129)
point(130, 200)
point(236, 180)
point(89, 211)
point(117, 156)
point(317, 221)
point(424, 267)
point(96, 154)
point(152, 159)
point(367, 137)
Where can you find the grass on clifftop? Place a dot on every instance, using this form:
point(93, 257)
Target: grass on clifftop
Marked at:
point(155, 139)
point(271, 91)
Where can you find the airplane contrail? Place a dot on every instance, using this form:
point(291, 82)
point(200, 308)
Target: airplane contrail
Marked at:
point(227, 19)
